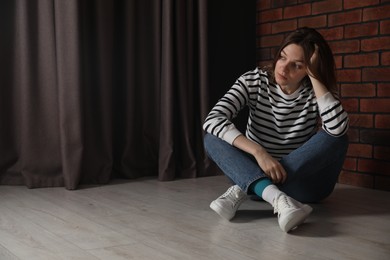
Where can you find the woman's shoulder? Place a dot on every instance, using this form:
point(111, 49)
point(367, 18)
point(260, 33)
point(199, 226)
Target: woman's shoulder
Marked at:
point(256, 74)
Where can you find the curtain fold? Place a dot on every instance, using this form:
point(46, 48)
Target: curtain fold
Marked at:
point(94, 90)
point(35, 94)
point(184, 64)
point(70, 93)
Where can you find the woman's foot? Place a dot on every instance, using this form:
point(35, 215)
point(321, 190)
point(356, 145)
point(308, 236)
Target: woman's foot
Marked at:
point(227, 204)
point(291, 213)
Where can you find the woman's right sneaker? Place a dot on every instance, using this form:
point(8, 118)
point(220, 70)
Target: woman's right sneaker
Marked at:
point(291, 213)
point(227, 204)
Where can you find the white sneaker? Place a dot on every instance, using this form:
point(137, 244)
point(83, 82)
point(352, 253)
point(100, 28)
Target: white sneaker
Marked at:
point(291, 213)
point(227, 204)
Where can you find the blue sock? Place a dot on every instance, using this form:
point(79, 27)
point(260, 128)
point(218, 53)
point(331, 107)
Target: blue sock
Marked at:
point(258, 186)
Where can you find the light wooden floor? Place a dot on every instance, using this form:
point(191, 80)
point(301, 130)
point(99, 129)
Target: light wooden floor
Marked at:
point(147, 219)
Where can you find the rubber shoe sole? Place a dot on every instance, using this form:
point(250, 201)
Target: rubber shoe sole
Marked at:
point(221, 211)
point(295, 218)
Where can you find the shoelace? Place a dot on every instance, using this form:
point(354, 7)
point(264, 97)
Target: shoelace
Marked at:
point(281, 205)
point(227, 193)
point(235, 193)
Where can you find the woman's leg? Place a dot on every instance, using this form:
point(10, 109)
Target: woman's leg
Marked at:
point(313, 169)
point(237, 165)
point(244, 171)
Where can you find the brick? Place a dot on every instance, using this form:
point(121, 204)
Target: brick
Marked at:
point(382, 183)
point(297, 11)
point(374, 166)
point(274, 50)
point(338, 61)
point(331, 34)
point(376, 105)
point(350, 164)
point(356, 179)
point(270, 15)
point(284, 26)
point(263, 54)
point(349, 75)
point(263, 4)
point(360, 150)
point(350, 4)
point(361, 30)
point(376, 13)
point(313, 21)
point(382, 152)
point(346, 46)
point(327, 6)
point(353, 135)
point(348, 17)
point(263, 29)
point(376, 74)
point(383, 89)
point(375, 44)
point(375, 136)
point(269, 41)
point(282, 3)
point(361, 60)
point(351, 105)
point(361, 120)
point(385, 27)
point(385, 58)
point(382, 121)
point(358, 90)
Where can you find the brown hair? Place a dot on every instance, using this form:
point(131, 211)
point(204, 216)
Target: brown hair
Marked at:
point(308, 38)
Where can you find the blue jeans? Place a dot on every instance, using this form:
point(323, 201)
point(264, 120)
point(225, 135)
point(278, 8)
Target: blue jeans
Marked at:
point(312, 169)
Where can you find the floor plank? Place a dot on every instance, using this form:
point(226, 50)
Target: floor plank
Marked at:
point(148, 219)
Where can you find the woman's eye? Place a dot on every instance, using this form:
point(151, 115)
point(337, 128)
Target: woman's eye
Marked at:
point(298, 66)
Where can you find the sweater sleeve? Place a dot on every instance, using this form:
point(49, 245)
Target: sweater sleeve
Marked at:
point(334, 118)
point(219, 120)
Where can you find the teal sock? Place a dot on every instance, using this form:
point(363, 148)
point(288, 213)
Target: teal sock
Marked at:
point(258, 186)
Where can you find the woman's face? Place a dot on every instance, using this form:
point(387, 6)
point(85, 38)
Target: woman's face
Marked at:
point(290, 68)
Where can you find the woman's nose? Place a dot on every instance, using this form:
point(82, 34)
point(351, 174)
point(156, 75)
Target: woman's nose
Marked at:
point(284, 68)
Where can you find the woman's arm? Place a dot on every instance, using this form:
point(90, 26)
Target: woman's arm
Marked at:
point(319, 88)
point(271, 167)
point(334, 118)
point(219, 120)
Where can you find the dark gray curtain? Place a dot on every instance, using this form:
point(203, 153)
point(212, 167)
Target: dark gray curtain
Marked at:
point(92, 90)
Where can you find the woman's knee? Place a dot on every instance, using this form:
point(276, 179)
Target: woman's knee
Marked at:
point(209, 141)
point(214, 145)
point(340, 142)
point(332, 146)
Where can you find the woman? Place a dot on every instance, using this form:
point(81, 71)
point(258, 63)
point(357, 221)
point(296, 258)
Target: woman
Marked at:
point(283, 157)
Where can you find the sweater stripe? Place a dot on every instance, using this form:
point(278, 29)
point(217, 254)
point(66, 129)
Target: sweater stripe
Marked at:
point(280, 123)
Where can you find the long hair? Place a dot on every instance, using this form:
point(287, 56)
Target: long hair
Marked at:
point(307, 38)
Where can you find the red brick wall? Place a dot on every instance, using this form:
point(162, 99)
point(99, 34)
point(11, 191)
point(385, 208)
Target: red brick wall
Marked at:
point(358, 32)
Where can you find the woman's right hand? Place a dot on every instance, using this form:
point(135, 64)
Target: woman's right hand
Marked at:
point(271, 167)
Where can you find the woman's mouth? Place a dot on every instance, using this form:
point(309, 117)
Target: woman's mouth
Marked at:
point(282, 77)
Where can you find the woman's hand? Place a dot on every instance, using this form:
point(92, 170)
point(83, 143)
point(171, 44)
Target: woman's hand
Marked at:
point(313, 62)
point(271, 167)
point(319, 88)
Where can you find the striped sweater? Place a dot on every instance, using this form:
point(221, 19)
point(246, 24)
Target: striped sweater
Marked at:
point(279, 122)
